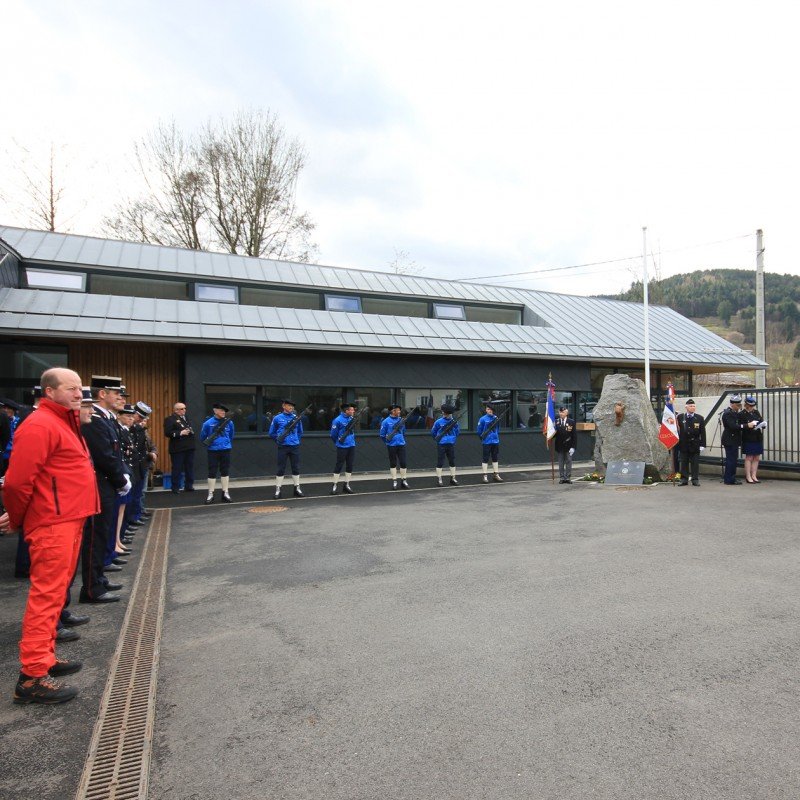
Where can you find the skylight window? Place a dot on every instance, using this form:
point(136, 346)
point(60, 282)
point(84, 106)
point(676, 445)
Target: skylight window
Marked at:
point(51, 279)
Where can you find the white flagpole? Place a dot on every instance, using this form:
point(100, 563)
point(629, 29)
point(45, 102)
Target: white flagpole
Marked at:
point(646, 317)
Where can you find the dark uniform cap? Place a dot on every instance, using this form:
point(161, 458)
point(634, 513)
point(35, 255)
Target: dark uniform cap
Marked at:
point(447, 408)
point(563, 408)
point(38, 394)
point(288, 402)
point(736, 398)
point(749, 400)
point(142, 409)
point(345, 406)
point(690, 402)
point(107, 382)
point(86, 398)
point(4, 401)
point(219, 405)
point(392, 408)
point(127, 409)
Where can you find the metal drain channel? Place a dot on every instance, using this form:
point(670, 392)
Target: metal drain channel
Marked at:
point(118, 764)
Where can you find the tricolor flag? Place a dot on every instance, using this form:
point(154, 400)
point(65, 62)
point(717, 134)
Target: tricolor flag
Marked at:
point(668, 435)
point(549, 426)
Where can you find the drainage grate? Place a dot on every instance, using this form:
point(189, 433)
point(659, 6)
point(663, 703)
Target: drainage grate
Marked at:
point(267, 509)
point(118, 764)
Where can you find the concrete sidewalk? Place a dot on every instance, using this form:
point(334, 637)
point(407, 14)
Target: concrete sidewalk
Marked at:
point(518, 640)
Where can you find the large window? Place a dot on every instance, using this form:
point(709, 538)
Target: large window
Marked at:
point(51, 279)
point(123, 286)
point(501, 399)
point(424, 405)
point(373, 406)
point(241, 402)
point(509, 316)
point(278, 298)
point(21, 367)
point(395, 308)
point(318, 405)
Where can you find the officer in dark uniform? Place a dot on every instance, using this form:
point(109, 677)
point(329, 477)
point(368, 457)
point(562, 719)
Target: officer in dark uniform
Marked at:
point(565, 441)
point(142, 447)
point(182, 445)
point(732, 438)
point(288, 445)
point(130, 458)
point(102, 439)
point(691, 442)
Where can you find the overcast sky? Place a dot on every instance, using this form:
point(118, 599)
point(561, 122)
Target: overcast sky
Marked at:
point(482, 139)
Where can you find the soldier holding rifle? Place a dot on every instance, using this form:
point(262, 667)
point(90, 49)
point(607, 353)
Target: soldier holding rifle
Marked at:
point(445, 431)
point(217, 435)
point(489, 431)
point(392, 430)
point(344, 437)
point(287, 430)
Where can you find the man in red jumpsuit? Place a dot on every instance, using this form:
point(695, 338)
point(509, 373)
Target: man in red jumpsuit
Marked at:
point(49, 492)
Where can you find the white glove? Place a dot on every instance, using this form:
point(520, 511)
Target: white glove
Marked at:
point(126, 488)
point(571, 452)
point(762, 425)
point(701, 449)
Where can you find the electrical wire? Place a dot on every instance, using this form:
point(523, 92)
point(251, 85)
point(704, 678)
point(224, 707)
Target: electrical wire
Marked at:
point(598, 263)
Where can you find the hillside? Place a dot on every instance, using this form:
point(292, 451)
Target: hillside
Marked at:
point(724, 300)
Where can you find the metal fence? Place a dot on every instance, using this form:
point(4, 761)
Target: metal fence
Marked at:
point(781, 409)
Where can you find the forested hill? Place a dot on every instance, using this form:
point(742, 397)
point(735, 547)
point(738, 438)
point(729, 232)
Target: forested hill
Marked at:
point(729, 295)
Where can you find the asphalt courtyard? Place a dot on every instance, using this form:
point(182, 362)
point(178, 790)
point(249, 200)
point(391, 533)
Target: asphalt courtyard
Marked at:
point(520, 641)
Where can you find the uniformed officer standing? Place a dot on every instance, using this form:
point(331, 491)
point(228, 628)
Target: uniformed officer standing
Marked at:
point(102, 439)
point(489, 431)
point(732, 438)
point(343, 433)
point(691, 442)
point(287, 430)
point(145, 456)
point(445, 431)
point(565, 441)
point(392, 433)
point(180, 433)
point(219, 450)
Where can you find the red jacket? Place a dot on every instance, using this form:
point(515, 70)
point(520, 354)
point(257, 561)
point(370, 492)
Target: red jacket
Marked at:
point(50, 476)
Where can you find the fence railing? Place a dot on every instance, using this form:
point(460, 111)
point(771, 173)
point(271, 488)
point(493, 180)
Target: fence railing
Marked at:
point(781, 409)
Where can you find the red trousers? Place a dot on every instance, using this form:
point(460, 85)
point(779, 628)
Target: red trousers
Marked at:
point(54, 555)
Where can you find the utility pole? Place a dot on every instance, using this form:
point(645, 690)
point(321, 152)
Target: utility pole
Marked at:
point(761, 350)
point(646, 316)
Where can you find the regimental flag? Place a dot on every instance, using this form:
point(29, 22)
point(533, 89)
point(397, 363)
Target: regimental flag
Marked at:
point(668, 435)
point(549, 426)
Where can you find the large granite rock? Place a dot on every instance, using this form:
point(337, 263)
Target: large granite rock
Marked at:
point(635, 437)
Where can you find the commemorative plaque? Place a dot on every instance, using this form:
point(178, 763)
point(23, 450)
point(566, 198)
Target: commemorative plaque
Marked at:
point(625, 473)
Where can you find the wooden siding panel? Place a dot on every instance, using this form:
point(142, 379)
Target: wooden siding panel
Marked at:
point(150, 371)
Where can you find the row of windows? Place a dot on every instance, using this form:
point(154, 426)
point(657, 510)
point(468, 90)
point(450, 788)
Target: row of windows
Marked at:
point(126, 286)
point(254, 407)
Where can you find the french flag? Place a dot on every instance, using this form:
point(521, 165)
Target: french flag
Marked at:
point(668, 435)
point(549, 427)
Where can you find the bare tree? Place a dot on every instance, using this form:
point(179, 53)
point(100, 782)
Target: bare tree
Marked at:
point(403, 264)
point(41, 188)
point(232, 186)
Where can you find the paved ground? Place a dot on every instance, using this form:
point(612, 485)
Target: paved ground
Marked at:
point(516, 641)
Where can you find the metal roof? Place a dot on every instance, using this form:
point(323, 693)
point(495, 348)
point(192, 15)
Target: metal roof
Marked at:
point(674, 339)
point(576, 327)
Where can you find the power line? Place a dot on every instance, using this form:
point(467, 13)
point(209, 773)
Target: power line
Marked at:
point(598, 263)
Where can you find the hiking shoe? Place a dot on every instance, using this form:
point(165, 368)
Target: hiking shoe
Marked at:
point(44, 690)
point(64, 667)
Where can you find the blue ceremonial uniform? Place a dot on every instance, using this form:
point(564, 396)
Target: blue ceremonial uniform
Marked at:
point(289, 448)
point(483, 423)
point(388, 425)
point(448, 438)
point(224, 441)
point(338, 426)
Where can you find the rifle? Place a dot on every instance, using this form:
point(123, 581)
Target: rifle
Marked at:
point(348, 428)
point(400, 426)
point(290, 426)
point(218, 430)
point(445, 429)
point(491, 427)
